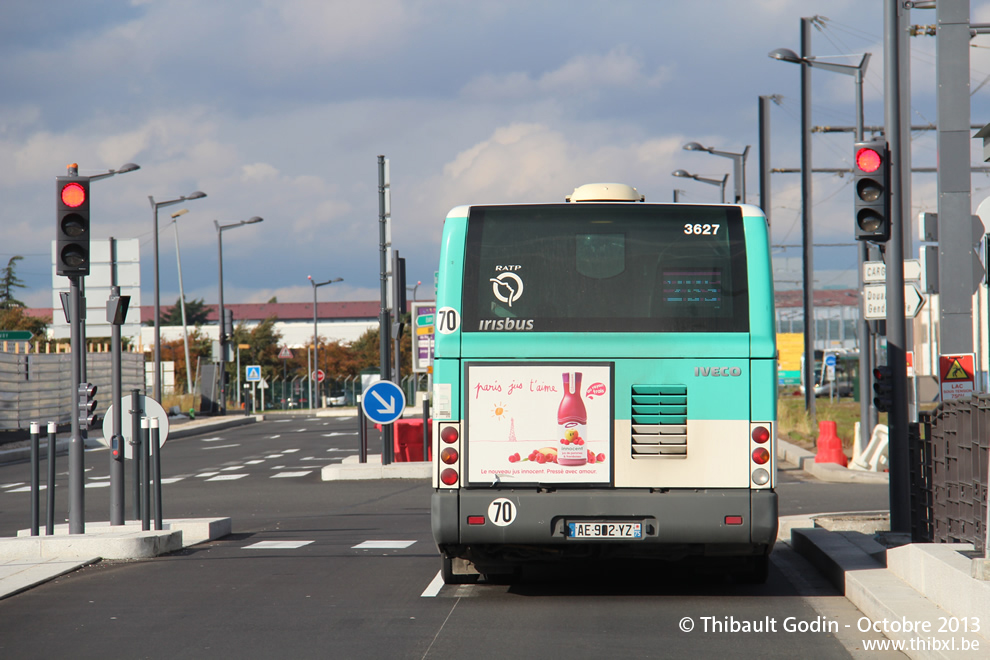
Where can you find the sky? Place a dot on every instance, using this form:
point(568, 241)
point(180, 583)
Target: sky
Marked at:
point(279, 109)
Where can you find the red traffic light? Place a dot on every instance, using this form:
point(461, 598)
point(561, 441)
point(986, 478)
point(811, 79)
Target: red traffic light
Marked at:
point(868, 160)
point(73, 195)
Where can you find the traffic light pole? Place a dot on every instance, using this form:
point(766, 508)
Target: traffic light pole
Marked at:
point(897, 418)
point(77, 521)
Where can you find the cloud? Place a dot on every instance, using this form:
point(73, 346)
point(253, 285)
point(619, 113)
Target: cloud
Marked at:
point(582, 75)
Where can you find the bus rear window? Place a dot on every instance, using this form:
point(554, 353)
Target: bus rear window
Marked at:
point(605, 268)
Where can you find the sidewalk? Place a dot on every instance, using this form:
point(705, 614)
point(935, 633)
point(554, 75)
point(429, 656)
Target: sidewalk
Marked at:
point(888, 578)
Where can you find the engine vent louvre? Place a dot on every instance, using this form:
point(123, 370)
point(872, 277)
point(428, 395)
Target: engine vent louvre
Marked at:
point(659, 421)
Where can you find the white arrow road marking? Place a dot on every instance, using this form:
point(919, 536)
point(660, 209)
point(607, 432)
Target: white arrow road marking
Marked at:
point(389, 408)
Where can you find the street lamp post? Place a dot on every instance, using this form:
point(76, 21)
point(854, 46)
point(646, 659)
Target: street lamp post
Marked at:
point(738, 171)
point(182, 300)
point(867, 414)
point(316, 343)
point(158, 332)
point(715, 182)
point(222, 333)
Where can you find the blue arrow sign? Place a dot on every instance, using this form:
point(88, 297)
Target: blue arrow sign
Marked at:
point(383, 402)
point(253, 373)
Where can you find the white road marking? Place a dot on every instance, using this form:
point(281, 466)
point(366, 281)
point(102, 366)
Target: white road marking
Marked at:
point(227, 477)
point(106, 477)
point(434, 587)
point(222, 446)
point(207, 474)
point(231, 468)
point(98, 484)
point(18, 483)
point(276, 545)
point(22, 489)
point(172, 480)
point(301, 430)
point(278, 467)
point(282, 475)
point(337, 433)
point(254, 462)
point(216, 439)
point(289, 451)
point(282, 421)
point(274, 456)
point(275, 437)
point(382, 545)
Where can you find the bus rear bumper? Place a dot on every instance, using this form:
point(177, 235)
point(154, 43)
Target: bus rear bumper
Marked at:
point(675, 522)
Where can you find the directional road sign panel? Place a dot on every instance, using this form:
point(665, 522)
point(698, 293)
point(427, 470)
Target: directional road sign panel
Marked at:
point(383, 402)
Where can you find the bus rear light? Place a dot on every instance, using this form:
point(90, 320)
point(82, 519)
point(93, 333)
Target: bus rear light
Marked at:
point(761, 477)
point(761, 434)
point(449, 455)
point(761, 455)
point(476, 520)
point(449, 434)
point(733, 520)
point(448, 477)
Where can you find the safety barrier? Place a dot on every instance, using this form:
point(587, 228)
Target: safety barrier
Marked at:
point(949, 459)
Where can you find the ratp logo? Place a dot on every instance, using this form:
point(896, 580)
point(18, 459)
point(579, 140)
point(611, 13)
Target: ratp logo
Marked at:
point(507, 287)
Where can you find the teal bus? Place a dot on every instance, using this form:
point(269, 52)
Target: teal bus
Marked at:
point(604, 385)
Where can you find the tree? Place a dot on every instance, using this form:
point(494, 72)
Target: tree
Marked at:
point(14, 318)
point(196, 313)
point(8, 282)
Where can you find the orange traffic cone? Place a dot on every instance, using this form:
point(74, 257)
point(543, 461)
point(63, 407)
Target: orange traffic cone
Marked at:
point(829, 445)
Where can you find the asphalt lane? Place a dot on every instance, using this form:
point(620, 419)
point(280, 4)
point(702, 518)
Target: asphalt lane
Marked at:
point(346, 569)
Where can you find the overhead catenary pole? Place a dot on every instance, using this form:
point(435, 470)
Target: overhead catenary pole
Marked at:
point(900, 481)
point(808, 263)
point(384, 323)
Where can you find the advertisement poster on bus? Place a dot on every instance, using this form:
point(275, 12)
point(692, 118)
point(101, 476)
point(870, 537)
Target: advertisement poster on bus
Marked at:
point(539, 423)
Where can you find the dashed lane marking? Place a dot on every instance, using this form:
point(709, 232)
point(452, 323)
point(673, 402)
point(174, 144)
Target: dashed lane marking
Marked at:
point(232, 468)
point(337, 433)
point(204, 475)
point(227, 477)
point(172, 480)
point(255, 461)
point(98, 484)
point(222, 446)
point(216, 439)
point(23, 489)
point(274, 456)
point(289, 475)
point(382, 545)
point(276, 545)
point(289, 451)
point(275, 437)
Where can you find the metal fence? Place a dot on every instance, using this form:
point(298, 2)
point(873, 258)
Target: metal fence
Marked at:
point(37, 387)
point(949, 457)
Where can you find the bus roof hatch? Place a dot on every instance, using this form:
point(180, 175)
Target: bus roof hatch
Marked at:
point(605, 192)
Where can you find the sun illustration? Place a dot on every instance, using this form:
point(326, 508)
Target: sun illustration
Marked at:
point(499, 412)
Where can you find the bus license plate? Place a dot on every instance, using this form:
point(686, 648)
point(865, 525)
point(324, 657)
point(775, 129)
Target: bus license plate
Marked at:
point(605, 530)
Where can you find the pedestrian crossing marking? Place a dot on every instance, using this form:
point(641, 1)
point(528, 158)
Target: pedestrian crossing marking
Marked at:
point(382, 545)
point(227, 477)
point(276, 545)
point(283, 475)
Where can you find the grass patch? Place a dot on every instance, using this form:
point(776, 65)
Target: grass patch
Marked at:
point(794, 426)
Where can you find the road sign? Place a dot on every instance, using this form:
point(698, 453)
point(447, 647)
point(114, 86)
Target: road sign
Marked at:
point(150, 408)
point(423, 336)
point(956, 376)
point(285, 353)
point(876, 271)
point(15, 335)
point(383, 402)
point(875, 301)
point(318, 375)
point(252, 373)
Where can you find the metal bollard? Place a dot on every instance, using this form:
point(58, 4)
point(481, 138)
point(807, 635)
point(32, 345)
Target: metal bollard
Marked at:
point(362, 437)
point(135, 443)
point(426, 428)
point(50, 519)
point(156, 448)
point(145, 480)
point(35, 477)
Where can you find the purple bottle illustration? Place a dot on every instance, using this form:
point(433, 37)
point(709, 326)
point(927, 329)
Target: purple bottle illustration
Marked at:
point(572, 423)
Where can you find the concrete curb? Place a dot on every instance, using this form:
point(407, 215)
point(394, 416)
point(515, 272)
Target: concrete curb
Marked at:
point(26, 561)
point(920, 583)
point(350, 469)
point(831, 472)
